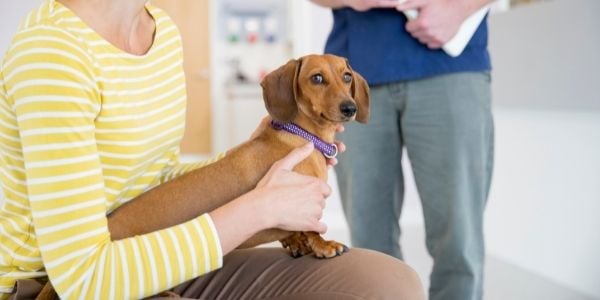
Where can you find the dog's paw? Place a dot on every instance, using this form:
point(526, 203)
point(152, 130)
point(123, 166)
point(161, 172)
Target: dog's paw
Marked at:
point(297, 244)
point(328, 249)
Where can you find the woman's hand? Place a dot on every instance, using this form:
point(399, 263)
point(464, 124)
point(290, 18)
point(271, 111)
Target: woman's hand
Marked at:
point(340, 145)
point(292, 201)
point(282, 199)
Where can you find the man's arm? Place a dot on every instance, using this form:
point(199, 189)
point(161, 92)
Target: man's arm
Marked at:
point(474, 5)
point(330, 3)
point(439, 20)
point(359, 5)
point(467, 7)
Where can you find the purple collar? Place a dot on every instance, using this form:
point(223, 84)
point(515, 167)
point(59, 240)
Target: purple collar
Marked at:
point(328, 150)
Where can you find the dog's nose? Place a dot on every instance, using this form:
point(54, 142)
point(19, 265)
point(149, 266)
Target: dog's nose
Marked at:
point(348, 108)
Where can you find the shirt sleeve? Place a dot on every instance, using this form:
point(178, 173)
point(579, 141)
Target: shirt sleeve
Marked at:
point(50, 86)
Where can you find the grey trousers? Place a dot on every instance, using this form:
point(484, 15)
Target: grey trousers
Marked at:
point(445, 123)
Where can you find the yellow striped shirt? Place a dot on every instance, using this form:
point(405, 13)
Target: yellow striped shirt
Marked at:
point(84, 128)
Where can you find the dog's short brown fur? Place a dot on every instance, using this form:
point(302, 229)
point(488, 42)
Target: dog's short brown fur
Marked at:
point(291, 93)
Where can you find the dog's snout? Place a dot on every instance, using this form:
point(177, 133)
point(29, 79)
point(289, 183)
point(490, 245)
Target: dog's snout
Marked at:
point(348, 108)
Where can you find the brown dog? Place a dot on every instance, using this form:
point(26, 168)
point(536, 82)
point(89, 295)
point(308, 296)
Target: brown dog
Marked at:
point(316, 92)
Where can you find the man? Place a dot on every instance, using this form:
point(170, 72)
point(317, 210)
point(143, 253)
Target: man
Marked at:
point(436, 106)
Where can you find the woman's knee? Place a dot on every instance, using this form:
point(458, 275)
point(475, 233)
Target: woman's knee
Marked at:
point(379, 276)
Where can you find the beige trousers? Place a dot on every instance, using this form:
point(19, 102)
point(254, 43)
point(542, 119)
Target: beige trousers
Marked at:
point(271, 273)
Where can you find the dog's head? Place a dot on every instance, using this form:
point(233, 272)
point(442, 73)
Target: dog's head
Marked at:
point(322, 87)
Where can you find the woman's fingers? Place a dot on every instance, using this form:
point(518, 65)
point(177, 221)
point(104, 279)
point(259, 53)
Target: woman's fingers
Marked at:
point(325, 188)
point(295, 201)
point(331, 162)
point(320, 227)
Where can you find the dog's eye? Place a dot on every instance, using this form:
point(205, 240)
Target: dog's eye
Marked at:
point(317, 78)
point(347, 77)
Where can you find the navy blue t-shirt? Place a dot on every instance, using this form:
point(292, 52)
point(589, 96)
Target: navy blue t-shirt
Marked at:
point(379, 48)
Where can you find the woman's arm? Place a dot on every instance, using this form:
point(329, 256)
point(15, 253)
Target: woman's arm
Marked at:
point(282, 199)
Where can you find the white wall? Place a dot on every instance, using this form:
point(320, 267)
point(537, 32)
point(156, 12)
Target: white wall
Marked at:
point(310, 36)
point(544, 209)
point(11, 13)
point(546, 55)
point(543, 212)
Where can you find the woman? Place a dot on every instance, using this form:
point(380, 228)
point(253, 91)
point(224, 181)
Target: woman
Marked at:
point(91, 116)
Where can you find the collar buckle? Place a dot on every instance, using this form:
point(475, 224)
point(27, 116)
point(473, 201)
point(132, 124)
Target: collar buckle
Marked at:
point(334, 154)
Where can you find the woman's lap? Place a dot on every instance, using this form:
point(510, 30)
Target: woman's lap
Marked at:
point(271, 273)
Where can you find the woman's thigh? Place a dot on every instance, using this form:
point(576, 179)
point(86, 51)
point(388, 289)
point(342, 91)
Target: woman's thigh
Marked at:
point(270, 273)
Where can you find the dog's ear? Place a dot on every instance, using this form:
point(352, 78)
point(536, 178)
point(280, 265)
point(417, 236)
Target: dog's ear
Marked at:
point(360, 93)
point(280, 91)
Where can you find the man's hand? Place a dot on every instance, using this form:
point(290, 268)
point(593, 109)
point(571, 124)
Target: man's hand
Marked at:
point(359, 5)
point(438, 20)
point(364, 5)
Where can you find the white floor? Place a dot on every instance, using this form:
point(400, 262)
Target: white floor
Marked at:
point(502, 280)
